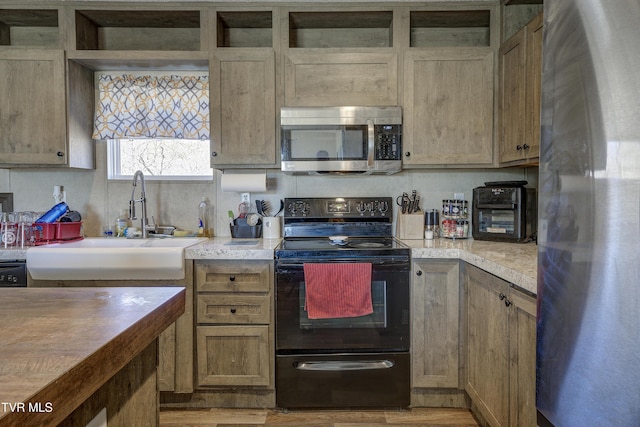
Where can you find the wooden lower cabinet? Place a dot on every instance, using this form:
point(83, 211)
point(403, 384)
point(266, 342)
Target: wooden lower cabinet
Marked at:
point(234, 326)
point(435, 334)
point(435, 328)
point(500, 350)
point(233, 355)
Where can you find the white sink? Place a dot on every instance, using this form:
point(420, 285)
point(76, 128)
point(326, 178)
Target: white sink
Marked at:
point(111, 259)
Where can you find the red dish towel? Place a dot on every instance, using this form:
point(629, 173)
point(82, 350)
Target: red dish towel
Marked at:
point(337, 290)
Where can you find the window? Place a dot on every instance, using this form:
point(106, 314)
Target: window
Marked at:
point(159, 158)
point(158, 124)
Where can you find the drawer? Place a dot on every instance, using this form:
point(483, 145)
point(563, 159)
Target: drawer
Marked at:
point(233, 309)
point(234, 356)
point(234, 276)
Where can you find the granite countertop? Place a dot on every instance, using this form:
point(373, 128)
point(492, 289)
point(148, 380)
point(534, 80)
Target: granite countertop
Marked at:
point(516, 263)
point(59, 345)
point(229, 248)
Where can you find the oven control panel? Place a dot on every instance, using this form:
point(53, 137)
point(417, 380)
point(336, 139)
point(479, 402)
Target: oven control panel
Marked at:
point(339, 207)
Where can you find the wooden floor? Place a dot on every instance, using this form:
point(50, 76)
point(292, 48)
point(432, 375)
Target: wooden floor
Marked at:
point(423, 417)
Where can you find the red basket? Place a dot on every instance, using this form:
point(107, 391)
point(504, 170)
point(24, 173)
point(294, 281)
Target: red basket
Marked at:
point(57, 231)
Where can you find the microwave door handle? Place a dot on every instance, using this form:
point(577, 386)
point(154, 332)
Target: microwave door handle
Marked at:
point(370, 144)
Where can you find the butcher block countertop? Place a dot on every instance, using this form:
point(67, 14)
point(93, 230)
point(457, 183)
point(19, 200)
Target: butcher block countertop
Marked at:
point(60, 345)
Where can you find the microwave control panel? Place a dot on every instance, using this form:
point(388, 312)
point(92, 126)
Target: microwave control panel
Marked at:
point(387, 142)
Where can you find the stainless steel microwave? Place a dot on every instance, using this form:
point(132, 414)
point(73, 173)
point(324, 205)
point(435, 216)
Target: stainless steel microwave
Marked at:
point(359, 140)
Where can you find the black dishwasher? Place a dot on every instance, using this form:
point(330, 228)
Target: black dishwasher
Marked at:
point(13, 274)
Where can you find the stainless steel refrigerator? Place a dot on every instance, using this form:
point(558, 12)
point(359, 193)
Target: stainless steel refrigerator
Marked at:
point(588, 344)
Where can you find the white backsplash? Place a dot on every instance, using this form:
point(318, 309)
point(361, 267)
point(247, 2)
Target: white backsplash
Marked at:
point(176, 203)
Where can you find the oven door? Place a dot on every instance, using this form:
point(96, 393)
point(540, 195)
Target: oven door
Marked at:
point(386, 329)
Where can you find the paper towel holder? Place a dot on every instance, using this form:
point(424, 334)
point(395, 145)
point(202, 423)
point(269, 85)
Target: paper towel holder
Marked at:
point(244, 182)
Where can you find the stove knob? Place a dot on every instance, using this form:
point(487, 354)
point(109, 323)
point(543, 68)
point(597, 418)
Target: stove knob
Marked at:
point(292, 208)
point(306, 208)
point(383, 207)
point(361, 208)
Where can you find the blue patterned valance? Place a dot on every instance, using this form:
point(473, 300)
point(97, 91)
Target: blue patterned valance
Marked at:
point(152, 107)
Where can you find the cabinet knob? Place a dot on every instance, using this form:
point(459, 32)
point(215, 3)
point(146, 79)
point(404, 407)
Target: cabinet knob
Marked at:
point(504, 298)
point(233, 311)
point(60, 154)
point(526, 146)
point(232, 278)
point(214, 154)
point(418, 273)
point(408, 154)
point(519, 147)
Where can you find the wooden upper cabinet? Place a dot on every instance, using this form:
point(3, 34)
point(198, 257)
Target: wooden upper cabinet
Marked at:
point(243, 113)
point(341, 78)
point(519, 93)
point(47, 104)
point(35, 111)
point(448, 107)
point(340, 58)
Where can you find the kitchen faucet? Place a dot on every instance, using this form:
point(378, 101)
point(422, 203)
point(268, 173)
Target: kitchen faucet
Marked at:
point(143, 202)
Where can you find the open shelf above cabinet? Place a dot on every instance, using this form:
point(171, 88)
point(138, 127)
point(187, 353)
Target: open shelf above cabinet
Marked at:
point(469, 28)
point(341, 29)
point(29, 28)
point(244, 29)
point(162, 30)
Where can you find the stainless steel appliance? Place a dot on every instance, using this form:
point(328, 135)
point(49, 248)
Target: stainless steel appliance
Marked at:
point(361, 140)
point(13, 274)
point(589, 223)
point(340, 361)
point(504, 212)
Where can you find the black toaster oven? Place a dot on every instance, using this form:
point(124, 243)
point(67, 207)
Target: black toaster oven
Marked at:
point(504, 212)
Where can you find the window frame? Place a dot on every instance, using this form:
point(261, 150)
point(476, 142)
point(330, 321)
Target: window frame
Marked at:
point(114, 166)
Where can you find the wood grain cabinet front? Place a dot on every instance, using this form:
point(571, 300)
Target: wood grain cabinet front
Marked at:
point(234, 318)
point(520, 92)
point(46, 119)
point(500, 350)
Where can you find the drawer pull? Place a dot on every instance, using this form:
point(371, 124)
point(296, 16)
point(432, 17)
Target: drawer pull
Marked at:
point(232, 278)
point(233, 311)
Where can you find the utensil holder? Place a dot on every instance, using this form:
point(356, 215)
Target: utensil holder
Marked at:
point(240, 229)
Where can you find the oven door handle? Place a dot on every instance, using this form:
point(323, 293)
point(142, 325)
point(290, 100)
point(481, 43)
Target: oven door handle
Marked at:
point(344, 365)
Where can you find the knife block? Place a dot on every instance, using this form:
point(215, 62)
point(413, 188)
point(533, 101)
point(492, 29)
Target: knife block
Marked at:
point(410, 226)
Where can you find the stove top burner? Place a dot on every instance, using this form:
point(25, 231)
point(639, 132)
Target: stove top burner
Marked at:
point(308, 249)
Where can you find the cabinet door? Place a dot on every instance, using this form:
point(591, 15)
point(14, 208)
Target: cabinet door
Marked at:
point(329, 79)
point(243, 118)
point(487, 325)
point(522, 343)
point(33, 114)
point(233, 356)
point(448, 107)
point(513, 77)
point(435, 328)
point(534, 84)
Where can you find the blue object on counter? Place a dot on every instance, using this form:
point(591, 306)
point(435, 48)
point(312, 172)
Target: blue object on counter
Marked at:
point(53, 214)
